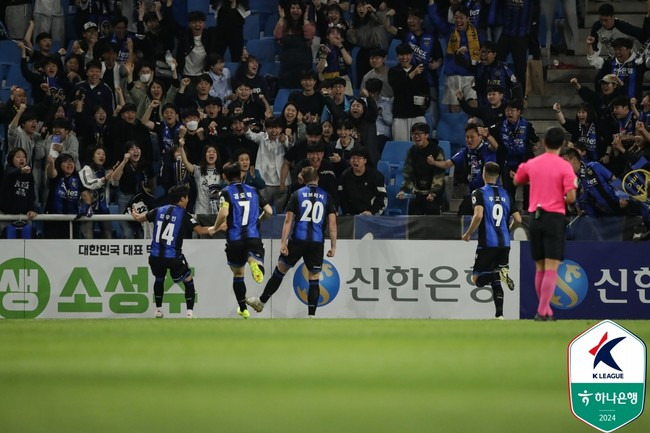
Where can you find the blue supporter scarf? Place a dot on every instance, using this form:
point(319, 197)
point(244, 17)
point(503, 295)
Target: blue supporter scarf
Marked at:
point(588, 138)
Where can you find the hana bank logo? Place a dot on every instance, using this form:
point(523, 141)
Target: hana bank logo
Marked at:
point(572, 286)
point(330, 282)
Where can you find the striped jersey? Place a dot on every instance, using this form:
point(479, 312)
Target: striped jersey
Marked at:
point(171, 224)
point(244, 204)
point(493, 230)
point(311, 206)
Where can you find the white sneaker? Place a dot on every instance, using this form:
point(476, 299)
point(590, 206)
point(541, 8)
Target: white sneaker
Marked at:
point(189, 314)
point(159, 314)
point(255, 302)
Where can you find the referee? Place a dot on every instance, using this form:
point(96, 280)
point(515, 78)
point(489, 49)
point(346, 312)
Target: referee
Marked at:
point(553, 185)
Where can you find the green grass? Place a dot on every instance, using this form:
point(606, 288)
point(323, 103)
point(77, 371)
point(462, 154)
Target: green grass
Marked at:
point(289, 376)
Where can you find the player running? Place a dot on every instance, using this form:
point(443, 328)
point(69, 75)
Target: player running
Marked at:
point(312, 207)
point(242, 208)
point(171, 224)
point(492, 211)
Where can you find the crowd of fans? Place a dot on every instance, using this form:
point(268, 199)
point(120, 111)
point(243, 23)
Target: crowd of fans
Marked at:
point(142, 102)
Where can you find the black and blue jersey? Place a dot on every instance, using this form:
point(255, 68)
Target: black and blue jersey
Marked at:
point(245, 206)
point(171, 224)
point(597, 197)
point(311, 206)
point(493, 231)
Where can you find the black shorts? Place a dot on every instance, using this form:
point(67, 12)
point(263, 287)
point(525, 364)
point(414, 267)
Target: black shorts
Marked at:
point(311, 252)
point(237, 252)
point(490, 259)
point(547, 236)
point(178, 267)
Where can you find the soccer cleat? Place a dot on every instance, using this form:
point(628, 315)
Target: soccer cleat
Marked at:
point(505, 278)
point(258, 275)
point(245, 314)
point(159, 314)
point(550, 318)
point(255, 302)
point(190, 314)
point(539, 318)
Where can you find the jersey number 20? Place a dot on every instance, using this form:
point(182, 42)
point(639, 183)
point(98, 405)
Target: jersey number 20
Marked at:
point(313, 212)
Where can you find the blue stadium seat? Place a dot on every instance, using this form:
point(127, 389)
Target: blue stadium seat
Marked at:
point(391, 49)
point(267, 6)
point(9, 52)
point(5, 67)
point(270, 68)
point(395, 151)
point(269, 25)
point(384, 168)
point(232, 67)
point(198, 5)
point(252, 28)
point(263, 49)
point(281, 100)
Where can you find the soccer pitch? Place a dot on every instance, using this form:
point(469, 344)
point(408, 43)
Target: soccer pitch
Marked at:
point(290, 376)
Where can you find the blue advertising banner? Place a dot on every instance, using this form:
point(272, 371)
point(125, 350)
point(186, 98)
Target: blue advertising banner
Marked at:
point(596, 280)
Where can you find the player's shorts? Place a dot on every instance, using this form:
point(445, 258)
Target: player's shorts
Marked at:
point(547, 236)
point(178, 267)
point(454, 83)
point(490, 259)
point(311, 252)
point(237, 252)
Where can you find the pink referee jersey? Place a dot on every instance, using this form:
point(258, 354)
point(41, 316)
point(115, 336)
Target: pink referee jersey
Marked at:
point(550, 178)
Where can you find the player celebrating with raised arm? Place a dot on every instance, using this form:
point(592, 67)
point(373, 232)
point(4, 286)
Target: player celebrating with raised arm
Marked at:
point(242, 207)
point(312, 207)
point(492, 213)
point(553, 185)
point(171, 224)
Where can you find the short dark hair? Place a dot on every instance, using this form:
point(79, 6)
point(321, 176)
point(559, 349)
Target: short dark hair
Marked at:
point(274, 122)
point(622, 42)
point(621, 101)
point(570, 152)
point(377, 52)
point(195, 16)
point(204, 77)
point(314, 129)
point(606, 10)
point(554, 138)
point(93, 64)
point(13, 152)
point(309, 174)
point(177, 192)
point(359, 151)
point(403, 48)
point(492, 168)
point(515, 103)
point(43, 35)
point(374, 85)
point(460, 8)
point(169, 105)
point(61, 123)
point(213, 59)
point(121, 19)
point(189, 111)
point(472, 127)
point(232, 171)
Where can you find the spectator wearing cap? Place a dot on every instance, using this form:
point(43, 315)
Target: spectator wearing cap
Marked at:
point(337, 103)
point(610, 89)
point(17, 16)
point(379, 71)
point(295, 32)
point(22, 134)
point(368, 33)
point(426, 51)
point(411, 90)
point(626, 65)
point(362, 189)
point(461, 56)
point(249, 72)
point(491, 72)
point(94, 91)
point(308, 101)
point(85, 47)
point(48, 82)
point(479, 148)
point(608, 28)
point(197, 41)
point(221, 77)
point(61, 140)
point(326, 174)
point(129, 128)
point(424, 179)
point(157, 35)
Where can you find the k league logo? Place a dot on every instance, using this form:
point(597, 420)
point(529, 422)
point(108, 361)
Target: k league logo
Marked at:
point(607, 375)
